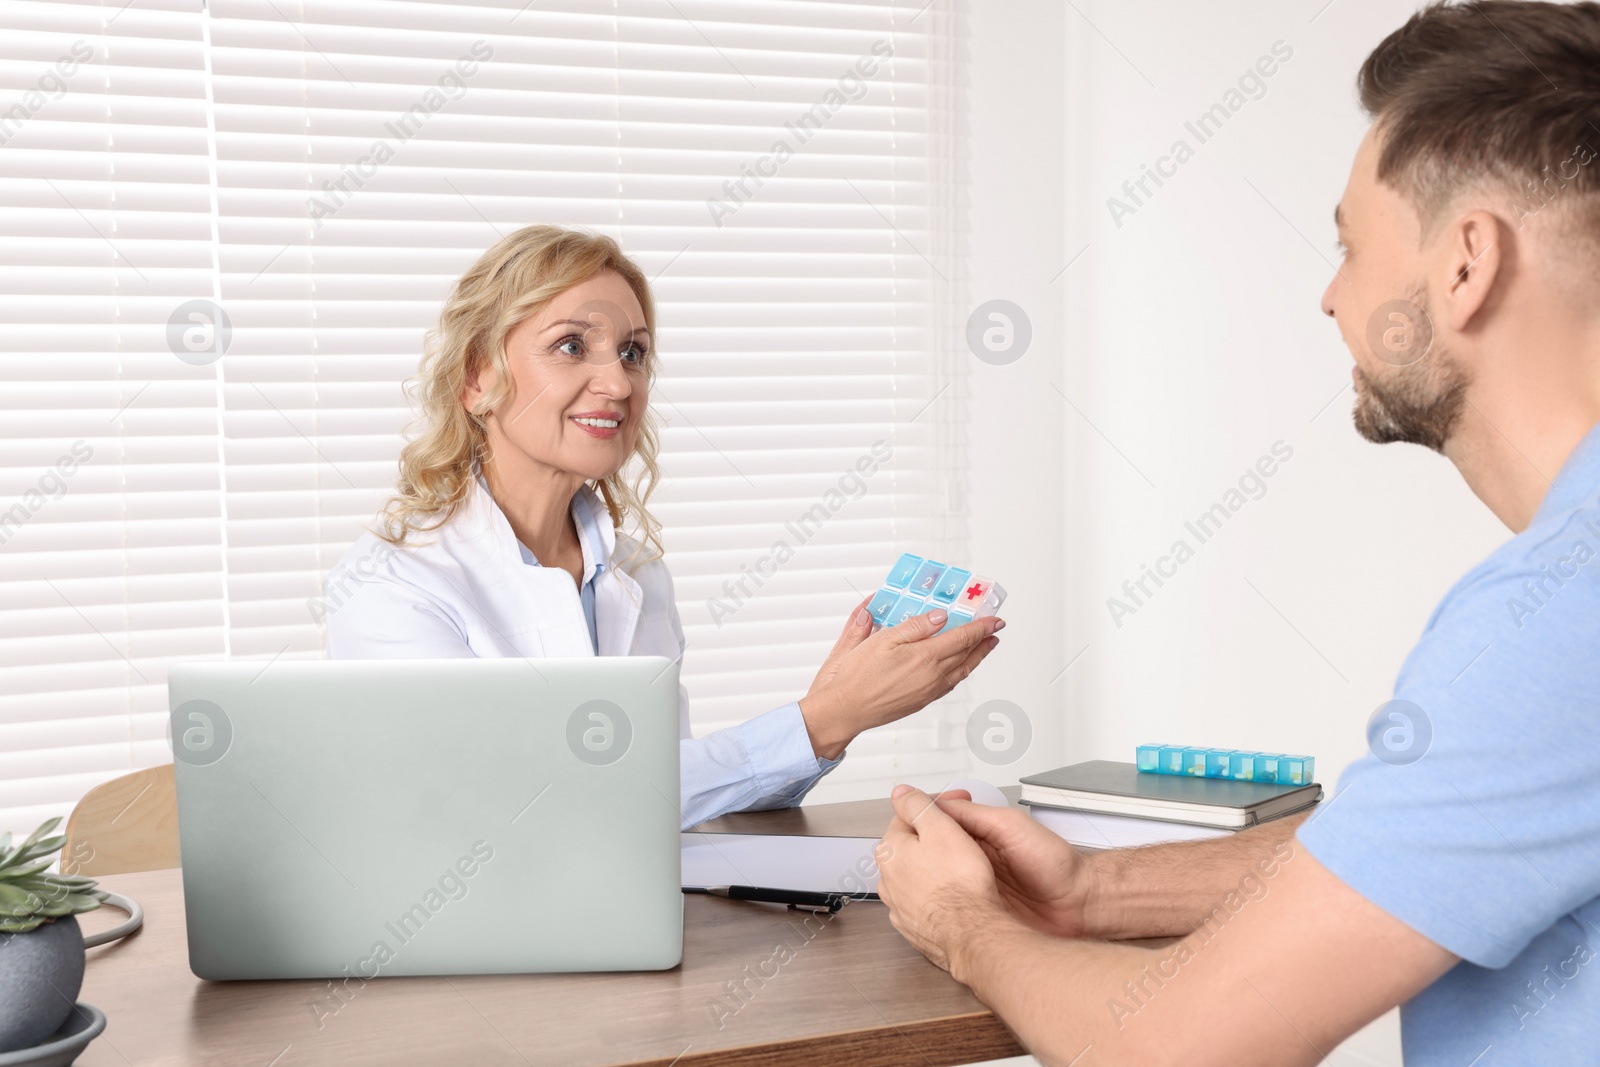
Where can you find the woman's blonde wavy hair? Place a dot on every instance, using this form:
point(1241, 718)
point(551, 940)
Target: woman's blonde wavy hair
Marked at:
point(510, 282)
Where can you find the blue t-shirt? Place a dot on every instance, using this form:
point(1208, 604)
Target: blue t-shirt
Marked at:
point(1489, 843)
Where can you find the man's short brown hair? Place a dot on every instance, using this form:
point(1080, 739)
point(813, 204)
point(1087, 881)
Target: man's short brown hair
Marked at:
point(1502, 92)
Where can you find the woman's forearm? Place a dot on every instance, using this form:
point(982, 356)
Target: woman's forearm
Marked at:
point(827, 730)
point(765, 762)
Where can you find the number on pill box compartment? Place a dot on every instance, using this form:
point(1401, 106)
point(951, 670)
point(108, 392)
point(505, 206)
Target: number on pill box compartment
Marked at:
point(916, 586)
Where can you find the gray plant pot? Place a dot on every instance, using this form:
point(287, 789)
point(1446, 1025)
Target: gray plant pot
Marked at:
point(41, 973)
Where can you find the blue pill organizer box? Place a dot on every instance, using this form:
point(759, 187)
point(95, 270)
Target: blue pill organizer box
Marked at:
point(1238, 764)
point(916, 586)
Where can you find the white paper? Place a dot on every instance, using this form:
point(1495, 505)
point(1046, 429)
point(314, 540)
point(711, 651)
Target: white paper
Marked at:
point(815, 864)
point(1098, 830)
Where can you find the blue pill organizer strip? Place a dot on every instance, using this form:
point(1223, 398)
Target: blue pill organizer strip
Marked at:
point(1238, 764)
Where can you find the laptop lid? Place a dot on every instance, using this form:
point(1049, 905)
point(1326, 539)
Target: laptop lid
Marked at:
point(368, 818)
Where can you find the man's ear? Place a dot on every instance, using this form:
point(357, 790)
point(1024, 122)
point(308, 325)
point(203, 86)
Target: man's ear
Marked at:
point(1475, 245)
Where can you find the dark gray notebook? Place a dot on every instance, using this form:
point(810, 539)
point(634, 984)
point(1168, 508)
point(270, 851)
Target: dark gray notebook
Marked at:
point(1120, 789)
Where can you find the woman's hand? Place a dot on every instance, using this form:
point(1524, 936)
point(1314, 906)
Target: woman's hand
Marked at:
point(874, 678)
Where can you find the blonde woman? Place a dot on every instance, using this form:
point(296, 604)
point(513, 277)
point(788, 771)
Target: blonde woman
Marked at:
point(504, 537)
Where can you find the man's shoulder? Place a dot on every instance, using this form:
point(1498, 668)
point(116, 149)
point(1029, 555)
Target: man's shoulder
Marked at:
point(1534, 603)
point(1536, 569)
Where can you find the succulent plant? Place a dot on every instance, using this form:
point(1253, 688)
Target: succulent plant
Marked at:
point(31, 895)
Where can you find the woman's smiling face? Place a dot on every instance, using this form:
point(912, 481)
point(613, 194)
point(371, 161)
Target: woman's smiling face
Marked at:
point(579, 388)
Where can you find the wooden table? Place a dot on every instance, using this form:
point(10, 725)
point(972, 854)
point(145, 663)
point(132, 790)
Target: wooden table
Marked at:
point(849, 991)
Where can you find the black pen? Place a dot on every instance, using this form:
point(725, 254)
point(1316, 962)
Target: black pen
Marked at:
point(795, 898)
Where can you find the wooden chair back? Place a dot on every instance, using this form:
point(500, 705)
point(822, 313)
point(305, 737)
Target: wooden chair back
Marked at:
point(126, 824)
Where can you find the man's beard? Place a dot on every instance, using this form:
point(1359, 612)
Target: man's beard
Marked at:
point(1419, 403)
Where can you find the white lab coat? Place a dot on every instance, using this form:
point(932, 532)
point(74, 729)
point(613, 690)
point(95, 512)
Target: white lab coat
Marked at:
point(464, 590)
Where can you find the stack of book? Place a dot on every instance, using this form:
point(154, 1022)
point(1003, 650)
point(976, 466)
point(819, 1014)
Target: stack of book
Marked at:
point(1106, 804)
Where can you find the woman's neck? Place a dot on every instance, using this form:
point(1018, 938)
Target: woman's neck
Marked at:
point(537, 502)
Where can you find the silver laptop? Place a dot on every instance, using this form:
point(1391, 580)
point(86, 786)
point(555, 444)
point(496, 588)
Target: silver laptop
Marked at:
point(368, 818)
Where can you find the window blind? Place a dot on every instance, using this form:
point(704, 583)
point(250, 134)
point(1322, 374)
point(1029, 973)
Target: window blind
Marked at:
point(112, 561)
point(322, 172)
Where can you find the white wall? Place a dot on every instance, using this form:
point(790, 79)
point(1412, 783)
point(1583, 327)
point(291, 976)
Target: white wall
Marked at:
point(1016, 173)
point(1194, 342)
point(1187, 342)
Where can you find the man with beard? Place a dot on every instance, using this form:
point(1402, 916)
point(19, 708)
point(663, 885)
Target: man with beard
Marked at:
point(1456, 874)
